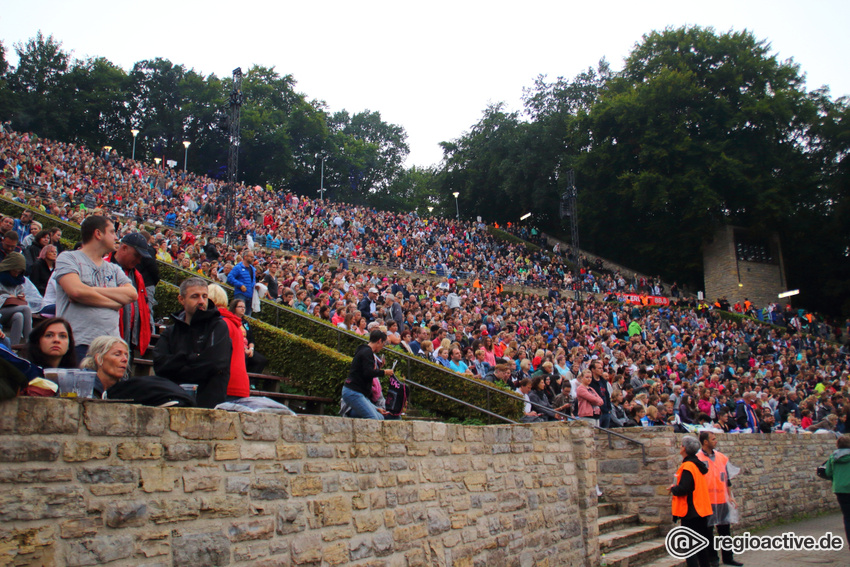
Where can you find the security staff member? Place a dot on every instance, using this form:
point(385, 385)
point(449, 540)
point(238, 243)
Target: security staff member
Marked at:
point(719, 493)
point(691, 502)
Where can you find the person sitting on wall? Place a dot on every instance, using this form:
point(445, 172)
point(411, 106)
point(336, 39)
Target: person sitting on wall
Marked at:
point(197, 347)
point(109, 357)
point(365, 367)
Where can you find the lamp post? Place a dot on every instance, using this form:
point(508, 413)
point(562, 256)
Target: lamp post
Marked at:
point(186, 145)
point(457, 208)
point(430, 210)
point(322, 178)
point(156, 160)
point(135, 133)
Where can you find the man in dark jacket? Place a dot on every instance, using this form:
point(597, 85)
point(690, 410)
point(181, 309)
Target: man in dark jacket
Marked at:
point(365, 366)
point(197, 348)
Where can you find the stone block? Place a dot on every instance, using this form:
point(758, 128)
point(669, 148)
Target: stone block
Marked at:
point(215, 506)
point(306, 549)
point(139, 450)
point(368, 431)
point(203, 424)
point(250, 552)
point(290, 518)
point(407, 534)
point(80, 451)
point(262, 528)
point(257, 451)
point(201, 477)
point(21, 451)
point(98, 550)
point(383, 543)
point(207, 549)
point(368, 522)
point(338, 430)
point(286, 452)
point(335, 511)
point(619, 466)
point(187, 451)
point(131, 421)
point(336, 553)
point(226, 451)
point(41, 502)
point(237, 484)
point(159, 478)
point(306, 485)
point(40, 416)
point(260, 426)
point(112, 489)
point(438, 522)
point(167, 510)
point(269, 489)
point(28, 546)
point(79, 527)
point(126, 514)
point(36, 475)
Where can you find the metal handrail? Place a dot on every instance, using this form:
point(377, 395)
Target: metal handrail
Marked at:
point(473, 406)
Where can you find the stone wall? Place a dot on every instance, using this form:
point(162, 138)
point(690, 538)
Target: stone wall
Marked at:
point(777, 478)
point(91, 483)
point(760, 283)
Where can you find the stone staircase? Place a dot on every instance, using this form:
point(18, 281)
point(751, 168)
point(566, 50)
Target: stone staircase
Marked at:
point(625, 542)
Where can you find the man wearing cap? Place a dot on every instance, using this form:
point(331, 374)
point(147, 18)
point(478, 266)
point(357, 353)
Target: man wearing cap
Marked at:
point(134, 318)
point(367, 306)
point(91, 291)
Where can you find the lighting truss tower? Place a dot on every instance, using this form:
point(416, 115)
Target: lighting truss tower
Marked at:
point(234, 121)
point(570, 210)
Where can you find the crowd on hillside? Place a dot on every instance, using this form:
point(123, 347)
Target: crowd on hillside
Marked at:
point(613, 363)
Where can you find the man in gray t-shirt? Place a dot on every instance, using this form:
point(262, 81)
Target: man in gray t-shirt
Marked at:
point(90, 291)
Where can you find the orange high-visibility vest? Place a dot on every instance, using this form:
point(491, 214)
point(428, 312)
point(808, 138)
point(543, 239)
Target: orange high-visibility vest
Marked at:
point(702, 503)
point(716, 477)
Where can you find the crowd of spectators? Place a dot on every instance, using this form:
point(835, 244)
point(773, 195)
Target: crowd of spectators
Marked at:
point(606, 361)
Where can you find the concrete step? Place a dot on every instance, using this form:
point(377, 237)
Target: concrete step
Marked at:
point(638, 554)
point(666, 562)
point(607, 510)
point(616, 521)
point(627, 536)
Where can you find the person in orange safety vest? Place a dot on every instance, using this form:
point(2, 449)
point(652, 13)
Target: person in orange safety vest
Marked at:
point(719, 492)
point(691, 502)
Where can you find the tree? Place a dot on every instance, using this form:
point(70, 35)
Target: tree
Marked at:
point(38, 82)
point(698, 130)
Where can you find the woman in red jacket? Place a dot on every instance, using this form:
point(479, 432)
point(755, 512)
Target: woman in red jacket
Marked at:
point(238, 386)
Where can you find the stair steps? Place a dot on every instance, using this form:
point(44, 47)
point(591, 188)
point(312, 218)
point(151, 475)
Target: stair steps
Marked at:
point(625, 542)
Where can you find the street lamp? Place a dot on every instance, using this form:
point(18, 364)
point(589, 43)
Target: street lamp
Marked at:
point(525, 216)
point(135, 133)
point(186, 145)
point(322, 178)
point(457, 208)
point(430, 210)
point(156, 160)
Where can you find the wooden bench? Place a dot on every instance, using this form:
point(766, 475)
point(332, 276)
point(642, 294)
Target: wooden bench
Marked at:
point(312, 404)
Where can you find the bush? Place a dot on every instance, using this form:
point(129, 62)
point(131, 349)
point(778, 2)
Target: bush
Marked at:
point(319, 359)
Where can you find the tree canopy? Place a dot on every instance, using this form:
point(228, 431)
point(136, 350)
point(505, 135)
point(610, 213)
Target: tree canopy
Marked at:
point(699, 129)
point(284, 133)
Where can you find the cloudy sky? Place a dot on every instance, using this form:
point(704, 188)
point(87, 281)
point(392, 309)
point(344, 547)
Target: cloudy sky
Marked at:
point(431, 67)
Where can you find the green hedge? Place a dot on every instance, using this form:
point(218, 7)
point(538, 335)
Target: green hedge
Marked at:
point(508, 237)
point(319, 367)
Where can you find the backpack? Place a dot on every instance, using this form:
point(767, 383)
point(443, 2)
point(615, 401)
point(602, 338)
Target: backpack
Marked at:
point(397, 396)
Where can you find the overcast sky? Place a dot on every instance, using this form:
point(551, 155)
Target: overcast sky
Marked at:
point(431, 67)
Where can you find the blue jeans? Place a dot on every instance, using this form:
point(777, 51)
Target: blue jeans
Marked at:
point(360, 405)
